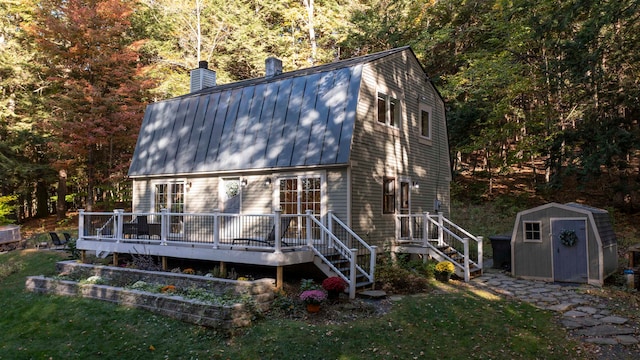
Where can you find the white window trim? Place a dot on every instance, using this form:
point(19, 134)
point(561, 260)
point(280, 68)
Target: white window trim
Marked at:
point(429, 110)
point(323, 188)
point(524, 231)
point(168, 182)
point(388, 96)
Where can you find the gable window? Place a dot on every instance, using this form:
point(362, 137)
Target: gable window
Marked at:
point(532, 231)
point(388, 196)
point(388, 110)
point(425, 124)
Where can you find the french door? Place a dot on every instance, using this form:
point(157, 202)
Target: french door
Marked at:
point(297, 194)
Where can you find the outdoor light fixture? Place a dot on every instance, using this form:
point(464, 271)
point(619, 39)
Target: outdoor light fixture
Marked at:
point(243, 182)
point(416, 185)
point(267, 182)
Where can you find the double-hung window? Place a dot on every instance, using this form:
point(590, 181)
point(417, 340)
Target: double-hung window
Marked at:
point(388, 196)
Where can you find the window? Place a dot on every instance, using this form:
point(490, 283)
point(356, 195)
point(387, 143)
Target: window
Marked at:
point(382, 109)
point(388, 196)
point(388, 110)
point(425, 124)
point(532, 231)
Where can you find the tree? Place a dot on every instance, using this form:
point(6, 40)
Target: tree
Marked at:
point(91, 59)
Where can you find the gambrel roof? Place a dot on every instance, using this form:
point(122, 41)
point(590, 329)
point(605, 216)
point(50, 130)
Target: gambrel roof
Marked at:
point(298, 118)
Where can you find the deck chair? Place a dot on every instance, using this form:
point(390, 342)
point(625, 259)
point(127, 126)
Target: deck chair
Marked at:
point(57, 242)
point(67, 237)
point(270, 240)
point(143, 226)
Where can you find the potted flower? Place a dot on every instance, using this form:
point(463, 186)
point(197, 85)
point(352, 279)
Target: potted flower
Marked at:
point(313, 299)
point(444, 269)
point(334, 286)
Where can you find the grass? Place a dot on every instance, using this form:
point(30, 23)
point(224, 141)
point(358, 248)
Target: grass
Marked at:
point(452, 321)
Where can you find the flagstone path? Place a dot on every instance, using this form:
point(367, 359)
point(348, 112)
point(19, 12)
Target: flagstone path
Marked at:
point(585, 316)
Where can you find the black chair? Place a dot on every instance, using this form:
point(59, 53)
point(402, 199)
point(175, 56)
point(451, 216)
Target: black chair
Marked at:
point(271, 237)
point(143, 226)
point(67, 237)
point(57, 242)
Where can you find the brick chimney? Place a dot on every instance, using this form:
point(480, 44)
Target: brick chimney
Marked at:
point(202, 77)
point(273, 67)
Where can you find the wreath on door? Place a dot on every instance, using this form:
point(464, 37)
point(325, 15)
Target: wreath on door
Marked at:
point(568, 238)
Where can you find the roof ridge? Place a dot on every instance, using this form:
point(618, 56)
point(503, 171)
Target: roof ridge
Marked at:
point(343, 63)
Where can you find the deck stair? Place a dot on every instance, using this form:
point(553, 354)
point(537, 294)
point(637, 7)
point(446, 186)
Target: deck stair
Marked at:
point(449, 253)
point(341, 268)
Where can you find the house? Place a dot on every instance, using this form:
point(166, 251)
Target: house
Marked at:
point(359, 144)
point(564, 242)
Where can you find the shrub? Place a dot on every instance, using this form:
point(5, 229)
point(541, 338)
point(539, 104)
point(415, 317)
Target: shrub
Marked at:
point(334, 283)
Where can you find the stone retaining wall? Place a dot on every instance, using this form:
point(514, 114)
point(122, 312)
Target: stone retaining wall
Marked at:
point(224, 318)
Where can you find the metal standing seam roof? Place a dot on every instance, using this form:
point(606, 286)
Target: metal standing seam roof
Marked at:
point(299, 118)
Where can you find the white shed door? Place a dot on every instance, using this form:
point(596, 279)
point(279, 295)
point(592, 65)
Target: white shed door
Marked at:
point(569, 261)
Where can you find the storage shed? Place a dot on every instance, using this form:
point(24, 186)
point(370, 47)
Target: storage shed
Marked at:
point(566, 243)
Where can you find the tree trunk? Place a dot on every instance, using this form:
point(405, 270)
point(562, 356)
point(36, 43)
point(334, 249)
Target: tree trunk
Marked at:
point(61, 204)
point(42, 199)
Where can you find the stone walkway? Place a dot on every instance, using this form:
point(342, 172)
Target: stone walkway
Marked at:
point(585, 316)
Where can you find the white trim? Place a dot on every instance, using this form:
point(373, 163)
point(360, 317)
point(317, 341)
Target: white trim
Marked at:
point(428, 109)
point(275, 178)
point(524, 231)
point(167, 181)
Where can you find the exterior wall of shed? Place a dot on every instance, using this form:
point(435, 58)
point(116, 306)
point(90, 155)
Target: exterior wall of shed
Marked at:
point(379, 151)
point(534, 260)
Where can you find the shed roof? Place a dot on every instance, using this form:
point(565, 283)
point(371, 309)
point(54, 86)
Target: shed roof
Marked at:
point(298, 118)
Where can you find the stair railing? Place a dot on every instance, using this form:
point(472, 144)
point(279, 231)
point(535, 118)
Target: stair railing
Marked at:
point(447, 236)
point(348, 248)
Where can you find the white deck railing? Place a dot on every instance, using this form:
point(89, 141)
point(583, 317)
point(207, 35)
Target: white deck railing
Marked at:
point(435, 231)
point(273, 233)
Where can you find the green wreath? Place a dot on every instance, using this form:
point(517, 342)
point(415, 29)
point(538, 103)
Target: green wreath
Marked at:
point(568, 238)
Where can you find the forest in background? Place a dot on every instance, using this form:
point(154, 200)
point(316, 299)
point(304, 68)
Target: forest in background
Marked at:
point(547, 88)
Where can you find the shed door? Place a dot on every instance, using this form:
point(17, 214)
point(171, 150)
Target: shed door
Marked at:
point(569, 262)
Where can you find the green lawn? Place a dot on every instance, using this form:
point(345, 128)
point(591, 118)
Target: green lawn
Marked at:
point(450, 322)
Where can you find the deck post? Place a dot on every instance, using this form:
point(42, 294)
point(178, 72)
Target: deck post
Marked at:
point(216, 228)
point(309, 215)
point(352, 273)
point(440, 230)
point(425, 228)
point(118, 224)
point(83, 256)
point(277, 222)
point(164, 263)
point(480, 253)
point(223, 269)
point(164, 226)
point(80, 224)
point(115, 259)
point(467, 275)
point(279, 277)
